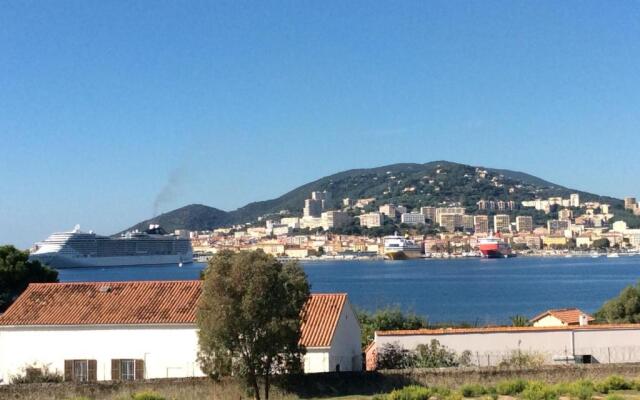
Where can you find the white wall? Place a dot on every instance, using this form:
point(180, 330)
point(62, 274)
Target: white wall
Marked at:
point(605, 345)
point(168, 351)
point(346, 348)
point(316, 360)
point(548, 320)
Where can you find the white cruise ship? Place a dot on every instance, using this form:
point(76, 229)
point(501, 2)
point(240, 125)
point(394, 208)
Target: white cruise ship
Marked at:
point(77, 249)
point(398, 248)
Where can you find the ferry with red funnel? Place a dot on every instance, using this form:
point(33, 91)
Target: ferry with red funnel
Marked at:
point(495, 247)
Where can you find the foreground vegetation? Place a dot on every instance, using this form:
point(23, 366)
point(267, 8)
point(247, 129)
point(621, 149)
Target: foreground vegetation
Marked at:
point(363, 386)
point(583, 389)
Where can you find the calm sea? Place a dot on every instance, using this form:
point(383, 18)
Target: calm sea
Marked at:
point(473, 290)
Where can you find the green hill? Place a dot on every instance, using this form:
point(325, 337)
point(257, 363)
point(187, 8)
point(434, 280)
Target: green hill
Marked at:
point(434, 183)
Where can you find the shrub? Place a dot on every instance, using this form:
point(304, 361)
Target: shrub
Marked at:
point(473, 390)
point(442, 392)
point(563, 388)
point(614, 382)
point(413, 392)
point(147, 396)
point(614, 397)
point(538, 391)
point(454, 395)
point(582, 389)
point(435, 355)
point(394, 356)
point(522, 359)
point(511, 387)
point(36, 374)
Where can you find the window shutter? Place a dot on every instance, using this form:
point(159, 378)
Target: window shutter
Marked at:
point(139, 369)
point(115, 370)
point(68, 370)
point(92, 370)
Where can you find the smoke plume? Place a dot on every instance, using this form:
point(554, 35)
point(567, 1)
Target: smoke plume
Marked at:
point(170, 190)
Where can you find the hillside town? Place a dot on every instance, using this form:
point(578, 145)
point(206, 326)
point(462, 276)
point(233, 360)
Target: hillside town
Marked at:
point(321, 232)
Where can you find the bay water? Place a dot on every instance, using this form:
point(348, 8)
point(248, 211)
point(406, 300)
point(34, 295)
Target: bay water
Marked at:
point(478, 291)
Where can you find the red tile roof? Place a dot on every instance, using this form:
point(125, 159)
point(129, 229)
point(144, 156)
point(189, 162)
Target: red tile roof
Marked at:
point(321, 314)
point(570, 316)
point(105, 303)
point(151, 302)
point(503, 329)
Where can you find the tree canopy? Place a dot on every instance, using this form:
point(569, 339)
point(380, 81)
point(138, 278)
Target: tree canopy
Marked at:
point(249, 317)
point(16, 272)
point(622, 309)
point(387, 319)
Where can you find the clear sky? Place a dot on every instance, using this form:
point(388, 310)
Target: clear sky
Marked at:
point(107, 107)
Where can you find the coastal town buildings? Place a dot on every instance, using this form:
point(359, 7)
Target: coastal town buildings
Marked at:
point(389, 210)
point(574, 200)
point(429, 213)
point(481, 223)
point(371, 220)
point(453, 230)
point(334, 219)
point(524, 223)
point(412, 218)
point(448, 210)
point(502, 223)
point(450, 221)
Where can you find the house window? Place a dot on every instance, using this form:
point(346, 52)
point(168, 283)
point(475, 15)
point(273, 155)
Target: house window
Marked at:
point(127, 370)
point(81, 370)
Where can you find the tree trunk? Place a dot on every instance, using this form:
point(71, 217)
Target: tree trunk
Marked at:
point(266, 386)
point(256, 388)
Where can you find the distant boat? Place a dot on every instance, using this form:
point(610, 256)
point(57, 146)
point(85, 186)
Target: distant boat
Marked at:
point(398, 248)
point(77, 249)
point(613, 255)
point(495, 247)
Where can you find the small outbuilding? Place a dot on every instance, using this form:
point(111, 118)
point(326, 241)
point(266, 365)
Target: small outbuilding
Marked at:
point(331, 334)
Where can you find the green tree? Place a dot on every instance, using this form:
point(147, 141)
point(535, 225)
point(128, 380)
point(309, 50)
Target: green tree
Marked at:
point(16, 272)
point(249, 317)
point(624, 308)
point(387, 319)
point(600, 244)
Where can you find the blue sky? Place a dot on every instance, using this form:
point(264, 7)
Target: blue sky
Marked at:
point(103, 103)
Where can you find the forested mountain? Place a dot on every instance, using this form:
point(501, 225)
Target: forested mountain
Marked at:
point(434, 183)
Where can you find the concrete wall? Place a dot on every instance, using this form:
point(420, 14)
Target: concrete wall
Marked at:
point(606, 345)
point(168, 351)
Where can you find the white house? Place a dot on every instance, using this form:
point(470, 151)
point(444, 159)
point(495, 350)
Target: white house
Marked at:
point(561, 317)
point(143, 330)
point(103, 331)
